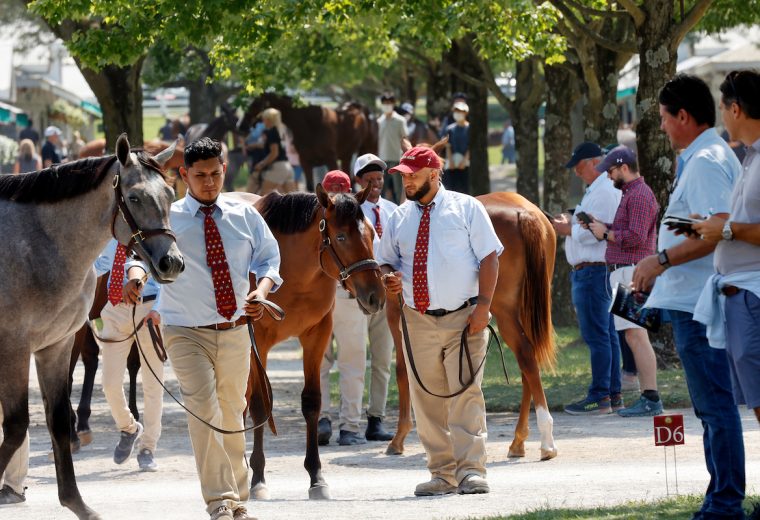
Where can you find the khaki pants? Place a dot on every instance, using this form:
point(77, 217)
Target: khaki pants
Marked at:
point(117, 324)
point(452, 431)
point(351, 328)
point(212, 369)
point(18, 466)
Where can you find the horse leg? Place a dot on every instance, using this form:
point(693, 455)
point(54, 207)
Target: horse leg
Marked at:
point(54, 388)
point(314, 343)
point(515, 337)
point(133, 366)
point(75, 352)
point(89, 353)
point(396, 446)
point(308, 175)
point(14, 412)
point(259, 489)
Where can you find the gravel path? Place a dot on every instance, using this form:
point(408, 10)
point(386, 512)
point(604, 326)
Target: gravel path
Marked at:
point(601, 461)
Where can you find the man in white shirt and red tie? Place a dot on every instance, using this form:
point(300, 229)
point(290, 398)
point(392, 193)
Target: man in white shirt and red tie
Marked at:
point(352, 328)
point(441, 251)
point(125, 291)
point(203, 314)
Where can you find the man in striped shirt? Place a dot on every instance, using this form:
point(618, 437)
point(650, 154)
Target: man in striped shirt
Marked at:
point(631, 237)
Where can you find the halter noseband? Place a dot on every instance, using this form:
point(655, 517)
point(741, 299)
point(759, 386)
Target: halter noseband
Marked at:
point(138, 235)
point(344, 273)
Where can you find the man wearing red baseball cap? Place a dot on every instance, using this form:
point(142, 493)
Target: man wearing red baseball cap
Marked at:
point(441, 251)
point(337, 181)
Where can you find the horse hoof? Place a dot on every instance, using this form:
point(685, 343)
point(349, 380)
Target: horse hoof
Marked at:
point(548, 454)
point(393, 450)
point(319, 492)
point(260, 492)
point(515, 453)
point(85, 437)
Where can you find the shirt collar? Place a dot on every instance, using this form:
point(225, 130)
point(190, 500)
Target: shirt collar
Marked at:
point(194, 206)
point(633, 183)
point(437, 200)
point(597, 182)
point(755, 146)
point(699, 143)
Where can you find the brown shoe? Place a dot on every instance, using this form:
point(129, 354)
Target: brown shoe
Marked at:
point(434, 487)
point(241, 513)
point(222, 513)
point(473, 484)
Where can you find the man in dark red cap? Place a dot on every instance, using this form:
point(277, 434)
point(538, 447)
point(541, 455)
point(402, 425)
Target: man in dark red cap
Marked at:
point(336, 181)
point(440, 249)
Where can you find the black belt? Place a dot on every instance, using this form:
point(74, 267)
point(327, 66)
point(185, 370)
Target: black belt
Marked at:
point(443, 312)
point(729, 290)
point(615, 267)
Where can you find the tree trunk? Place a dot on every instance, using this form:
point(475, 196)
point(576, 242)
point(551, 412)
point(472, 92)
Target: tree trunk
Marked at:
point(600, 111)
point(528, 97)
point(437, 102)
point(119, 93)
point(203, 101)
point(562, 90)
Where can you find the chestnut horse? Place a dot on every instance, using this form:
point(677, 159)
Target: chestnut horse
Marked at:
point(522, 308)
point(322, 240)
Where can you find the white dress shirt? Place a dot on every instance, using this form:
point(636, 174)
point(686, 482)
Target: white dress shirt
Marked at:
point(461, 236)
point(249, 246)
point(386, 210)
point(601, 201)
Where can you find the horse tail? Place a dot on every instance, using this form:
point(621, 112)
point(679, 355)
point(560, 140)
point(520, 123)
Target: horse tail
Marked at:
point(535, 312)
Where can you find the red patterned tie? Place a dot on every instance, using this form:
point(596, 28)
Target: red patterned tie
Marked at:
point(217, 262)
point(419, 272)
point(116, 288)
point(378, 224)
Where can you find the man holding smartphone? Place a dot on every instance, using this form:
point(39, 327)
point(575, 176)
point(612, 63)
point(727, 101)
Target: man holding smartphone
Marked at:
point(590, 282)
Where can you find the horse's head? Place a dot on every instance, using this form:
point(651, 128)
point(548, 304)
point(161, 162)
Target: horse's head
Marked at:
point(346, 250)
point(141, 219)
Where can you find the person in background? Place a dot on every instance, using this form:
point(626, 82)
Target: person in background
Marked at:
point(50, 150)
point(30, 133)
point(706, 172)
point(76, 145)
point(27, 159)
point(508, 143)
point(12, 489)
point(275, 170)
point(457, 97)
point(391, 130)
point(293, 157)
point(166, 132)
point(457, 176)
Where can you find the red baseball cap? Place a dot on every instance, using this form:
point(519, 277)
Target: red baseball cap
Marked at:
point(336, 181)
point(416, 159)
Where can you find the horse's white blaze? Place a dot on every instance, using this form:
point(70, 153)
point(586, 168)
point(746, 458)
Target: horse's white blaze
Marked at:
point(545, 428)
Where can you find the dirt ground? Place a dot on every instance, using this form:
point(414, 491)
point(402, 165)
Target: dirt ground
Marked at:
point(602, 461)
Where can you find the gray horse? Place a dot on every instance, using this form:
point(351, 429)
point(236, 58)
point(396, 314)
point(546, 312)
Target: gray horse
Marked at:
point(54, 223)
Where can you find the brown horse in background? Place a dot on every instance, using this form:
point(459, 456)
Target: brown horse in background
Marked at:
point(522, 308)
point(308, 227)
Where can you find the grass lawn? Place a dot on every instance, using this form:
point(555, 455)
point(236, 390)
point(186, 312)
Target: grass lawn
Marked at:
point(568, 383)
point(671, 509)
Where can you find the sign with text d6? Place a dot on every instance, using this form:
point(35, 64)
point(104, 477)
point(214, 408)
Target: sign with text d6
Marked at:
point(668, 430)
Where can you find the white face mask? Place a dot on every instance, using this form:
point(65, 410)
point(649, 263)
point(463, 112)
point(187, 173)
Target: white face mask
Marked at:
point(459, 116)
point(387, 108)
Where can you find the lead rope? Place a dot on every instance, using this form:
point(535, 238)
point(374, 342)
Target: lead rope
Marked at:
point(265, 386)
point(464, 353)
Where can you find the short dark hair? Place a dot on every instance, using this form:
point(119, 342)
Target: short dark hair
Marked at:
point(203, 148)
point(743, 88)
point(459, 95)
point(387, 96)
point(691, 94)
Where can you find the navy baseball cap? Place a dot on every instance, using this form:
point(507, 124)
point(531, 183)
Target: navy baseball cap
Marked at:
point(585, 150)
point(617, 156)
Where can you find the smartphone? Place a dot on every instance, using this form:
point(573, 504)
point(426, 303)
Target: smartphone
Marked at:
point(681, 224)
point(582, 216)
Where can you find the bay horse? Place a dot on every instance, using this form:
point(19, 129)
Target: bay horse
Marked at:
point(322, 240)
point(522, 308)
point(55, 222)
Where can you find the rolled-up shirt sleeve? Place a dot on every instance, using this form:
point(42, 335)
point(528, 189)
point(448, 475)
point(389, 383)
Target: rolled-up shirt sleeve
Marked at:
point(483, 238)
point(387, 250)
point(265, 260)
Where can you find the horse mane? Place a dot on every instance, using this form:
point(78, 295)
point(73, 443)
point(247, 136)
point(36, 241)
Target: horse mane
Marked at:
point(294, 212)
point(64, 181)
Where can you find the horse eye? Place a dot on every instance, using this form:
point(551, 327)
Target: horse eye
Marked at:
point(340, 237)
point(133, 199)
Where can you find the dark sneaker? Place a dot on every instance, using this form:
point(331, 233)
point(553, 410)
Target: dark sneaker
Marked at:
point(643, 408)
point(375, 430)
point(589, 407)
point(473, 485)
point(145, 460)
point(8, 496)
point(324, 431)
point(616, 402)
point(126, 444)
point(348, 438)
point(434, 487)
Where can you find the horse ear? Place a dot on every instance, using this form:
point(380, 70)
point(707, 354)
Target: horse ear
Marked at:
point(122, 150)
point(323, 197)
point(362, 195)
point(440, 146)
point(162, 157)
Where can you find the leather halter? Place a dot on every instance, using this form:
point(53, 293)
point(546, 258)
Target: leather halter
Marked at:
point(138, 235)
point(368, 264)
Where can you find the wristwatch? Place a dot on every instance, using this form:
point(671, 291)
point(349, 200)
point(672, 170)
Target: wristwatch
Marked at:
point(727, 234)
point(606, 235)
point(662, 258)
